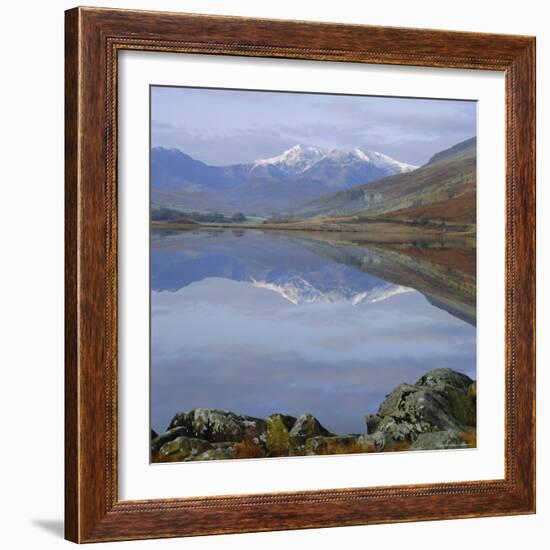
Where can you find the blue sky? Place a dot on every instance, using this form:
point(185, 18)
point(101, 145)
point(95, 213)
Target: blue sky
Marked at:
point(223, 127)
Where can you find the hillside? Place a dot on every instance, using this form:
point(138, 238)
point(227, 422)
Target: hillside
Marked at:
point(443, 190)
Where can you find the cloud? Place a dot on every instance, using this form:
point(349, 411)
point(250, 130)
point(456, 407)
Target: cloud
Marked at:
point(419, 137)
point(241, 127)
point(222, 148)
point(454, 118)
point(233, 346)
point(259, 382)
point(234, 126)
point(156, 125)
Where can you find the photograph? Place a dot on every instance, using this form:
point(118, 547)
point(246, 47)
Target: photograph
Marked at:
point(312, 274)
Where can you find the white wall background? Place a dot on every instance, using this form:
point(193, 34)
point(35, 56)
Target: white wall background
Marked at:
point(31, 218)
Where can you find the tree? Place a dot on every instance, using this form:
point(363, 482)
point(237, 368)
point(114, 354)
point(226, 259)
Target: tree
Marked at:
point(238, 217)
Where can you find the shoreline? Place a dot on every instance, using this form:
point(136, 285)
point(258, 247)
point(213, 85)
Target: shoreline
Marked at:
point(379, 231)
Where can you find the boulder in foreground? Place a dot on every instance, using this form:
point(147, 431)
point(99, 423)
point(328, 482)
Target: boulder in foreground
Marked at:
point(440, 401)
point(437, 412)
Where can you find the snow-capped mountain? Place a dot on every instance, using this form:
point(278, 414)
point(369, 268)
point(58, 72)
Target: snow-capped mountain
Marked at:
point(295, 160)
point(298, 175)
point(301, 158)
point(383, 161)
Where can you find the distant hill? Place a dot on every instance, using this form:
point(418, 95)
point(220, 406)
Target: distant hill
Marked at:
point(460, 150)
point(444, 189)
point(298, 175)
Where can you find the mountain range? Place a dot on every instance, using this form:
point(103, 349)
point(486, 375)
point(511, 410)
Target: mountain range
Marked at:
point(299, 175)
point(444, 189)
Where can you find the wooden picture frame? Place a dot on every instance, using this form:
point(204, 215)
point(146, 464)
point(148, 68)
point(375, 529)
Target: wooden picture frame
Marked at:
point(93, 511)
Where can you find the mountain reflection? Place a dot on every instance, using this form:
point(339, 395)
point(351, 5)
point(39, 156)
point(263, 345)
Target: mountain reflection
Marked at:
point(310, 267)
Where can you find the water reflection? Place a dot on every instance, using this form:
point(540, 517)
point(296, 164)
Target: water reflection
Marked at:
point(261, 322)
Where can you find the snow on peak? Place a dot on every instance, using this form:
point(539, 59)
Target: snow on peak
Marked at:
point(381, 160)
point(300, 158)
point(296, 159)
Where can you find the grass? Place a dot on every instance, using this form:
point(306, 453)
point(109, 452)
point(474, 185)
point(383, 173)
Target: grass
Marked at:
point(398, 446)
point(354, 448)
point(470, 438)
point(248, 449)
point(357, 448)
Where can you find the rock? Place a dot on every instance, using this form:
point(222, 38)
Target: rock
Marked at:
point(396, 430)
point(447, 439)
point(437, 412)
point(306, 426)
point(439, 378)
point(165, 437)
point(277, 439)
point(223, 444)
point(338, 444)
point(214, 425)
point(425, 407)
point(440, 401)
point(182, 448)
point(463, 407)
point(372, 421)
point(220, 453)
point(154, 434)
point(372, 442)
point(429, 407)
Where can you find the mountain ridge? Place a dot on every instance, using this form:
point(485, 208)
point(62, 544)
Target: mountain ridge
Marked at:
point(443, 189)
point(297, 175)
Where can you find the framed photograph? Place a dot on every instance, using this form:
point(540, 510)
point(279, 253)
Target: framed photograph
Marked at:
point(300, 275)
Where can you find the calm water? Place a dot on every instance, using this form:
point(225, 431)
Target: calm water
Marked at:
point(258, 322)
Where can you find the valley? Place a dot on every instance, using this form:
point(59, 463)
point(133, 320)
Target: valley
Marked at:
point(436, 202)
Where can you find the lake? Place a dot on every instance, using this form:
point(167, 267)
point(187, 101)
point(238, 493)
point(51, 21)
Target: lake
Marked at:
point(259, 322)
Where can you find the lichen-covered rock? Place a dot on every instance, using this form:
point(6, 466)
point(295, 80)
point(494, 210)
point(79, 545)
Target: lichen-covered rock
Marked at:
point(219, 453)
point(397, 429)
point(215, 425)
point(437, 412)
point(372, 442)
point(277, 439)
point(440, 401)
point(447, 439)
point(372, 421)
point(305, 427)
point(338, 444)
point(182, 448)
point(431, 404)
point(442, 378)
point(462, 407)
point(223, 444)
point(165, 437)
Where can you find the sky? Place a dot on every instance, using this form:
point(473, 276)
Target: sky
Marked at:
point(222, 127)
point(229, 345)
